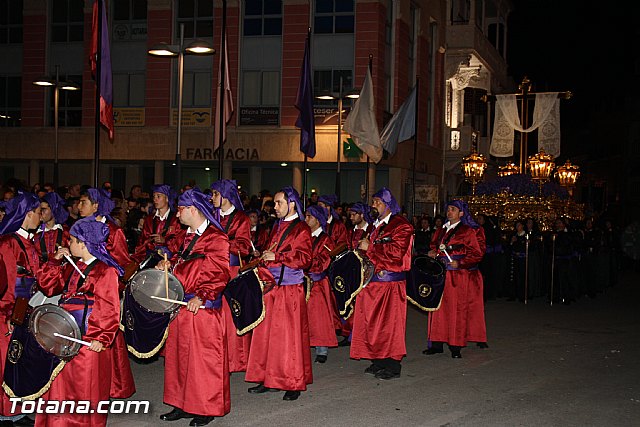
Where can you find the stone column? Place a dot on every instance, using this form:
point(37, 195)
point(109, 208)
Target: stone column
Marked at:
point(297, 176)
point(227, 169)
point(158, 172)
point(255, 179)
point(34, 172)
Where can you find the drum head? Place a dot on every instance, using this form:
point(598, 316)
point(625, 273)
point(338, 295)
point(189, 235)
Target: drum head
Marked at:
point(152, 282)
point(429, 265)
point(48, 319)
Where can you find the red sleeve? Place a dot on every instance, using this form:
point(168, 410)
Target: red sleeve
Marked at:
point(341, 233)
point(141, 248)
point(206, 277)
point(117, 245)
point(50, 277)
point(9, 261)
point(396, 254)
point(472, 253)
point(240, 235)
point(104, 320)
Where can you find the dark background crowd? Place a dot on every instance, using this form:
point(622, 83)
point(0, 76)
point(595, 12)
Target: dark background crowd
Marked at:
point(573, 260)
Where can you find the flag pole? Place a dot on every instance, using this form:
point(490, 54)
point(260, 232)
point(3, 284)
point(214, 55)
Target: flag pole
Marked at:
point(366, 170)
point(96, 155)
point(415, 151)
point(221, 93)
point(304, 176)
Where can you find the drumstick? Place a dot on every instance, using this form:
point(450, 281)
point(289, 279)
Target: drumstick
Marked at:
point(68, 258)
point(239, 258)
point(166, 276)
point(252, 246)
point(447, 254)
point(175, 301)
point(88, 344)
point(327, 248)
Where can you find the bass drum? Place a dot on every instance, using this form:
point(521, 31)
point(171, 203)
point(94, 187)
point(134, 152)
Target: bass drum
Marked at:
point(244, 296)
point(145, 320)
point(348, 273)
point(425, 283)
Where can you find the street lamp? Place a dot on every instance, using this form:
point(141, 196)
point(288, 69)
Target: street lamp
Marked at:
point(352, 94)
point(57, 86)
point(197, 47)
point(473, 167)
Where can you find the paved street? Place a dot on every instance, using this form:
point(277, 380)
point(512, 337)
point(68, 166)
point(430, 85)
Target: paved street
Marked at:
point(574, 365)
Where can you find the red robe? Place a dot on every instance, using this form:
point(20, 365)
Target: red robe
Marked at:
point(451, 322)
point(47, 240)
point(122, 383)
point(153, 225)
point(260, 237)
point(11, 255)
point(380, 312)
point(196, 371)
point(477, 327)
point(355, 235)
point(88, 375)
point(239, 232)
point(280, 356)
point(337, 231)
point(319, 308)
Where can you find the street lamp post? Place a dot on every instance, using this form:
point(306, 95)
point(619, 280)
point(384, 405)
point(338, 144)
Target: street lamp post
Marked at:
point(57, 85)
point(339, 97)
point(197, 47)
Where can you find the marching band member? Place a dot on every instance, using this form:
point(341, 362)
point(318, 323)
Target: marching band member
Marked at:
point(380, 312)
point(159, 231)
point(319, 307)
point(88, 375)
point(53, 215)
point(235, 223)
point(196, 370)
point(94, 202)
point(20, 262)
point(362, 224)
point(280, 356)
point(457, 245)
point(259, 233)
point(335, 227)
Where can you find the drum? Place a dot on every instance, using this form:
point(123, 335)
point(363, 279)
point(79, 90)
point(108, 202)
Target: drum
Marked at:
point(425, 283)
point(348, 273)
point(145, 320)
point(29, 369)
point(244, 296)
point(47, 320)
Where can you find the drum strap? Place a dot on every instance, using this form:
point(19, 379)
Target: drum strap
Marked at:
point(43, 246)
point(81, 279)
point(448, 237)
point(167, 223)
point(281, 241)
point(184, 253)
point(26, 255)
point(226, 227)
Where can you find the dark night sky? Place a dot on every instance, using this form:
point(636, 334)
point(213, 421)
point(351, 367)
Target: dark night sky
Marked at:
point(581, 46)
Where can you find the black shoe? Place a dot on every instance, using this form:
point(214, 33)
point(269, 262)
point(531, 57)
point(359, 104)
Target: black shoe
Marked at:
point(260, 388)
point(321, 358)
point(291, 395)
point(373, 369)
point(344, 342)
point(432, 350)
point(385, 374)
point(456, 354)
point(482, 345)
point(175, 415)
point(24, 421)
point(201, 420)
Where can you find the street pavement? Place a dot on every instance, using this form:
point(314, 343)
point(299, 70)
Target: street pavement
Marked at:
point(576, 365)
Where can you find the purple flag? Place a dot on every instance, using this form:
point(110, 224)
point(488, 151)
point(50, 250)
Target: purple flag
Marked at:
point(106, 87)
point(304, 104)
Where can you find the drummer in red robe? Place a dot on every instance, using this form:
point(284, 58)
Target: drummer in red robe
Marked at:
point(259, 233)
point(97, 203)
point(227, 204)
point(319, 307)
point(380, 312)
point(88, 375)
point(456, 244)
point(53, 233)
point(20, 262)
point(160, 231)
point(196, 370)
point(280, 356)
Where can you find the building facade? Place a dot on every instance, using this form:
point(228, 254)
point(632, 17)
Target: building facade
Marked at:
point(401, 40)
